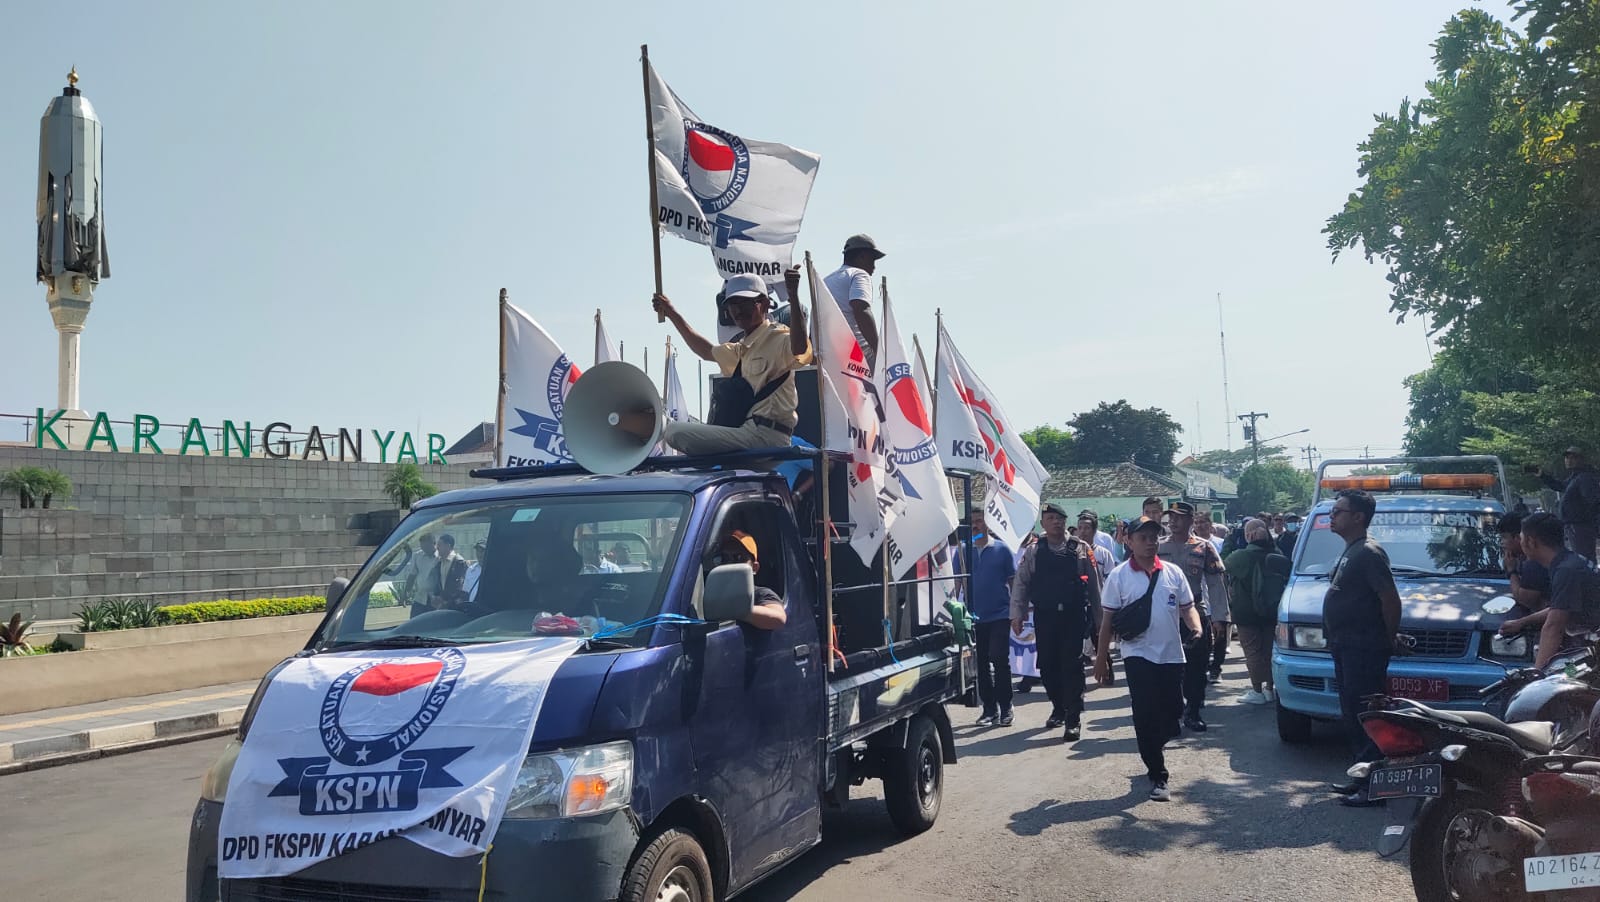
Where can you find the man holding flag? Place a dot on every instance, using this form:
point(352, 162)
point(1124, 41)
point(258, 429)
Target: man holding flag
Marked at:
point(756, 406)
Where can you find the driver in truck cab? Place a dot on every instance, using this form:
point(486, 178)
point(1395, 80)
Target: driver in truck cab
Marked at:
point(739, 547)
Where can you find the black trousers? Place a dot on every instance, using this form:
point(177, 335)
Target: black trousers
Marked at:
point(1156, 694)
point(1197, 654)
point(994, 665)
point(1219, 648)
point(1059, 635)
point(1360, 672)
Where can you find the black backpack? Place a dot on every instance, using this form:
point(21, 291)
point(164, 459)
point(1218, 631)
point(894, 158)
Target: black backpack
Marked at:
point(732, 398)
point(1132, 620)
point(1272, 577)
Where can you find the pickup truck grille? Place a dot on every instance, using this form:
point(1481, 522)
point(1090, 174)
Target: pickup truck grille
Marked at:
point(1310, 684)
point(291, 889)
point(1439, 643)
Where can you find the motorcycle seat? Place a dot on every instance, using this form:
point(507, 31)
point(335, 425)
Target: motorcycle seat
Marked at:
point(1537, 736)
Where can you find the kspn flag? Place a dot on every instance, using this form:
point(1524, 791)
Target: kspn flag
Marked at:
point(975, 434)
point(854, 420)
point(604, 350)
point(925, 511)
point(677, 404)
point(743, 198)
point(538, 376)
point(349, 749)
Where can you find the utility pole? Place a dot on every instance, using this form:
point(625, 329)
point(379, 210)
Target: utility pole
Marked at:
point(1252, 435)
point(1309, 452)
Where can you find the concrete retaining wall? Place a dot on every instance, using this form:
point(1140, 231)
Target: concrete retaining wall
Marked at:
point(185, 528)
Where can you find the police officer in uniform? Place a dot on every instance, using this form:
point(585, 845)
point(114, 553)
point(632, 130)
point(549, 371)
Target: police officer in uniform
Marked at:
point(1058, 578)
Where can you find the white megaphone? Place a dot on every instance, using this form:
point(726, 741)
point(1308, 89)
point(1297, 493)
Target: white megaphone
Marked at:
point(612, 418)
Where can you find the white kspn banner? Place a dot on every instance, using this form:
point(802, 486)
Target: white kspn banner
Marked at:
point(744, 199)
point(974, 434)
point(347, 749)
point(853, 415)
point(925, 511)
point(538, 376)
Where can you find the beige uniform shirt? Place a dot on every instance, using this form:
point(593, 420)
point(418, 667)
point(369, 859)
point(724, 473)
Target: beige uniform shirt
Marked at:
point(764, 355)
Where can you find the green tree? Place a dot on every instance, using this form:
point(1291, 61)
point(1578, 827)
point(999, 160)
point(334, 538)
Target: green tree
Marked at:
point(405, 484)
point(1483, 198)
point(1052, 446)
point(1232, 463)
point(1117, 433)
point(1274, 485)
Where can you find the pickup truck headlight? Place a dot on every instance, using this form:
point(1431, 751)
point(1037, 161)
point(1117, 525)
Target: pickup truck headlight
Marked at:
point(573, 782)
point(214, 785)
point(1307, 637)
point(1509, 647)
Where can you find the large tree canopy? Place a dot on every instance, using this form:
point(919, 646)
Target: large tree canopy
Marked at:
point(1274, 486)
point(1232, 463)
point(1052, 446)
point(1484, 196)
point(1117, 433)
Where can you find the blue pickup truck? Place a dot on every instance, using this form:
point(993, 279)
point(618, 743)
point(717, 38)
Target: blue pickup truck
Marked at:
point(719, 743)
point(1440, 533)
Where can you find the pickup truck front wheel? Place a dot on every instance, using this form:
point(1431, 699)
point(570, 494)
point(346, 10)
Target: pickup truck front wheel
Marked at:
point(1293, 729)
point(913, 777)
point(672, 868)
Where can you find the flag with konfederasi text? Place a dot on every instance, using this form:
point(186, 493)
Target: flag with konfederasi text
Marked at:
point(742, 198)
point(924, 509)
point(538, 376)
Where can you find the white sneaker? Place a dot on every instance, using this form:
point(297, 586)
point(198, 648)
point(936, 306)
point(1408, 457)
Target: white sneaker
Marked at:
point(1253, 697)
point(1269, 693)
point(1159, 793)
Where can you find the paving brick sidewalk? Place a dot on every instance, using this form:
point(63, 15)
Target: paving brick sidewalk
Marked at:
point(63, 735)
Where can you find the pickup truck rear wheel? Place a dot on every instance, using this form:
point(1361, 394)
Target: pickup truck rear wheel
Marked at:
point(1294, 729)
point(672, 868)
point(913, 778)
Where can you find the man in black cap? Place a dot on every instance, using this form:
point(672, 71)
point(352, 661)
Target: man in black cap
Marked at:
point(851, 287)
point(1197, 558)
point(1058, 578)
point(1580, 501)
point(1152, 657)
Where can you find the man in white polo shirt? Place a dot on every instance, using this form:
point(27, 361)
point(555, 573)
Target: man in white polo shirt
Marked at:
point(1153, 659)
point(851, 287)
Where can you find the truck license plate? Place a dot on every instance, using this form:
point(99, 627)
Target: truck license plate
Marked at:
point(1422, 689)
point(1558, 872)
point(1425, 780)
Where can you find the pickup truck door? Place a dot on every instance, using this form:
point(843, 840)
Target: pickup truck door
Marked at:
point(757, 729)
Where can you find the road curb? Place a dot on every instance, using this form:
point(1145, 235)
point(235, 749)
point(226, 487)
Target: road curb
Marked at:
point(117, 739)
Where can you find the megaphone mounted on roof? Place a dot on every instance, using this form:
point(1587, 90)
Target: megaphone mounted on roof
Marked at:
point(613, 418)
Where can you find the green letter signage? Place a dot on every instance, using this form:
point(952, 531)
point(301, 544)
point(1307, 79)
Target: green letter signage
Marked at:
point(101, 432)
point(44, 428)
point(407, 449)
point(194, 434)
point(230, 435)
point(384, 438)
point(435, 448)
point(140, 436)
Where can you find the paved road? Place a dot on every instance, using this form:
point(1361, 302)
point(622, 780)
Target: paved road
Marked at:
point(1024, 817)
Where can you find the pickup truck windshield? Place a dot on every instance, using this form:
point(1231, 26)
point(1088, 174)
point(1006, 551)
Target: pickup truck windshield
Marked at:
point(1435, 543)
point(563, 566)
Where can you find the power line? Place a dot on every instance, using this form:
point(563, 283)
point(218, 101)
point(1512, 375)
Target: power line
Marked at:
point(1309, 452)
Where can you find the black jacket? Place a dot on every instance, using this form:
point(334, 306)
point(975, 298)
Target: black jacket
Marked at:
point(1580, 496)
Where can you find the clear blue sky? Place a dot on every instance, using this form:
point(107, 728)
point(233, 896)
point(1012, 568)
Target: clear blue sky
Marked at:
point(311, 208)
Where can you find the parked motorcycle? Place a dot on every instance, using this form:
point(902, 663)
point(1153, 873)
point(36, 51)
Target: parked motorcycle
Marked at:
point(1467, 829)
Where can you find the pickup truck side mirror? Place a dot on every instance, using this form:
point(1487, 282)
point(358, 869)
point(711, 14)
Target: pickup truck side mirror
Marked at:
point(336, 590)
point(730, 590)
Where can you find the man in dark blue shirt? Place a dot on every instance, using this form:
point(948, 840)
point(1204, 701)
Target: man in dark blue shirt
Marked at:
point(1574, 588)
point(993, 567)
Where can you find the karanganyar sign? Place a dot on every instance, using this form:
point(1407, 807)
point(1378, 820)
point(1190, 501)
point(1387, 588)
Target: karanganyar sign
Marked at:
point(276, 440)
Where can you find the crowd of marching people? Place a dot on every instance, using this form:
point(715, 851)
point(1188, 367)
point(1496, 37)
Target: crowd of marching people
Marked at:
point(1167, 592)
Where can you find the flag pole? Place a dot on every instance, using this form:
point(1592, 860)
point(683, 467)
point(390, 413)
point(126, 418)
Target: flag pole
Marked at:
point(888, 604)
point(650, 144)
point(597, 335)
point(666, 367)
point(933, 376)
point(500, 392)
point(825, 526)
